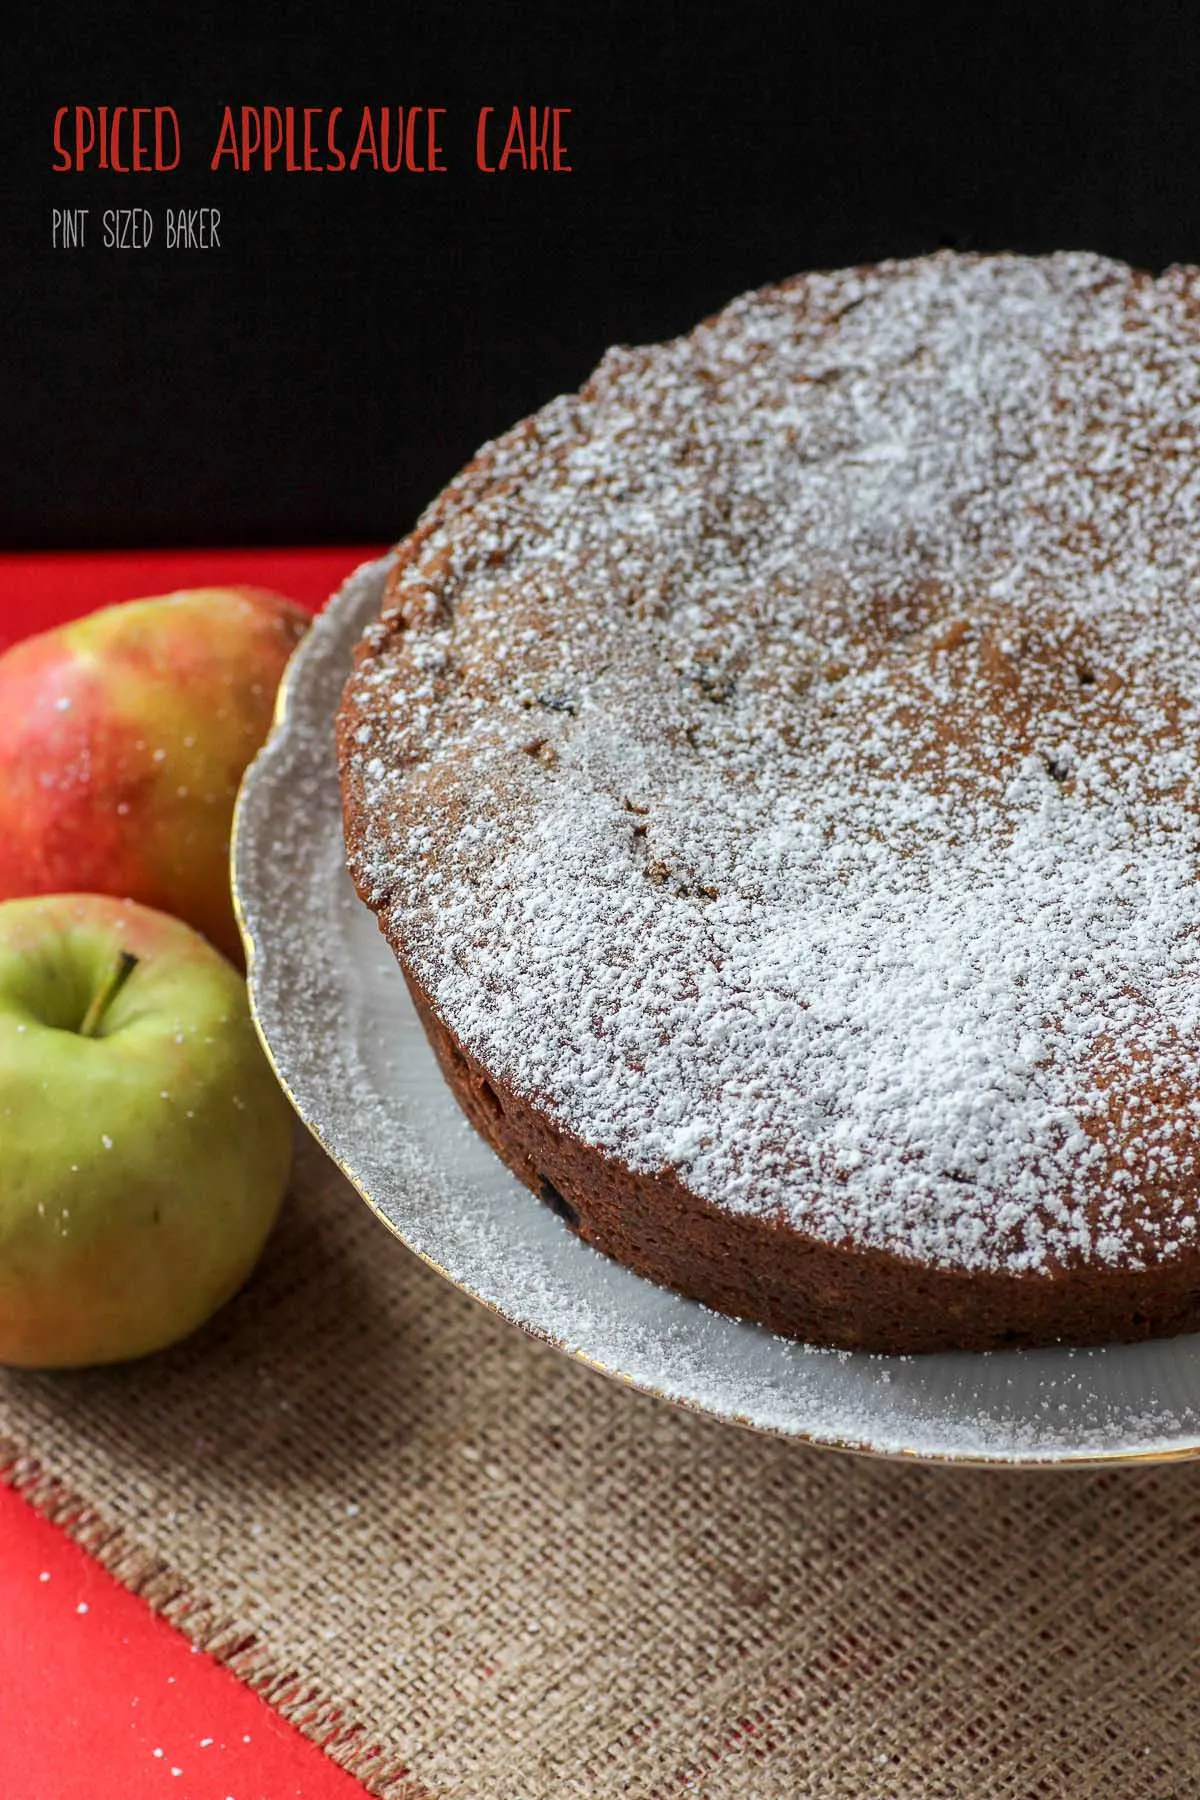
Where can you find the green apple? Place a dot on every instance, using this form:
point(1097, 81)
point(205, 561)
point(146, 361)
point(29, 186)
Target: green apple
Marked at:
point(144, 1141)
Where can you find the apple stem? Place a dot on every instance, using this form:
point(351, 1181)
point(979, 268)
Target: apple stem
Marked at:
point(107, 992)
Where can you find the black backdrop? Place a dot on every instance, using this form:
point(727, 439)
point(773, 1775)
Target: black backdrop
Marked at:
point(322, 374)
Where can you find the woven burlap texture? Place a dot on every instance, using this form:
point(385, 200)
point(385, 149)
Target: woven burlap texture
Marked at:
point(475, 1570)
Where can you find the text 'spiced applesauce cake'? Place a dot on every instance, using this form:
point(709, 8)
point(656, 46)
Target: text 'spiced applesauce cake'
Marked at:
point(775, 769)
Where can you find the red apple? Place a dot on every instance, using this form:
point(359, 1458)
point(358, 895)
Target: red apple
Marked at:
point(123, 737)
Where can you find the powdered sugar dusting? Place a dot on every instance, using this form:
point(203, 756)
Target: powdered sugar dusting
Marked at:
point(780, 759)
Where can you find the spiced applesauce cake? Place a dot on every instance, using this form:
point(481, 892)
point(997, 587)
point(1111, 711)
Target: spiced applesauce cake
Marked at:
point(775, 770)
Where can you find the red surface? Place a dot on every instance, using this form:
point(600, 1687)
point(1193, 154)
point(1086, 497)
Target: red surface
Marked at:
point(40, 590)
point(99, 1698)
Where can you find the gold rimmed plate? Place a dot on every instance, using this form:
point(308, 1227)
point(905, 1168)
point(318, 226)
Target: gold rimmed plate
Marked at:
point(334, 1013)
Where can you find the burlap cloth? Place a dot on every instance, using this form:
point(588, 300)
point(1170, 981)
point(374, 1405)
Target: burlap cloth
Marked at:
point(473, 1569)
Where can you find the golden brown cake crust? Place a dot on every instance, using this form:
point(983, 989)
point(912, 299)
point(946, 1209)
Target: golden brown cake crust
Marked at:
point(775, 770)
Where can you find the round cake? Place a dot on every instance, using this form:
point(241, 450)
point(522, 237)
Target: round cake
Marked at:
point(775, 771)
